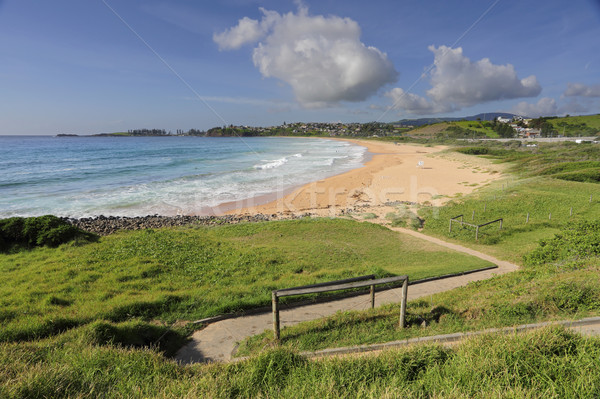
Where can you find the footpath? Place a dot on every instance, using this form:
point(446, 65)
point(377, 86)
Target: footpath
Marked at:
point(217, 341)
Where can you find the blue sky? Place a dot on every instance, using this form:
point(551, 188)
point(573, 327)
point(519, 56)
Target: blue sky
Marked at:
point(72, 66)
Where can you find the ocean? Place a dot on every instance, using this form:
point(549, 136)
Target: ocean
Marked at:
point(137, 176)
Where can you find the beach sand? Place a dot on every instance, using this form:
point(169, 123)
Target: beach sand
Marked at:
point(410, 174)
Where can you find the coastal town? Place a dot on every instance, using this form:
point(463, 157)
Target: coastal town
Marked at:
point(486, 126)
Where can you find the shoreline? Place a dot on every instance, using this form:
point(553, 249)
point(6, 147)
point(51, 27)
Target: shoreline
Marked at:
point(394, 178)
point(264, 200)
point(392, 174)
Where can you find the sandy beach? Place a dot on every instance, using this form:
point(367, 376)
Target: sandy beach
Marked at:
point(411, 174)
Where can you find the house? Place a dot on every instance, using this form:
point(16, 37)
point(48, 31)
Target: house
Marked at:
point(532, 133)
point(503, 120)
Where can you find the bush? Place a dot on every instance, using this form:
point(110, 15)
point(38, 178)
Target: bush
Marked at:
point(136, 334)
point(474, 150)
point(578, 242)
point(32, 232)
point(584, 176)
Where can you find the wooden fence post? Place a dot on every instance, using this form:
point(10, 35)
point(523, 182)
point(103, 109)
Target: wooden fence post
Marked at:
point(275, 301)
point(484, 206)
point(571, 212)
point(473, 216)
point(477, 234)
point(550, 216)
point(372, 297)
point(527, 221)
point(403, 303)
point(450, 228)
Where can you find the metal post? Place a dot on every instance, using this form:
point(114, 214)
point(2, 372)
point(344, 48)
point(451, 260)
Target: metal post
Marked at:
point(527, 221)
point(501, 220)
point(372, 297)
point(275, 301)
point(550, 216)
point(403, 303)
point(571, 212)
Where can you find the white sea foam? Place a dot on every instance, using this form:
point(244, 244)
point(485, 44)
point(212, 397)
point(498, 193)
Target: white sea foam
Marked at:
point(272, 164)
point(144, 179)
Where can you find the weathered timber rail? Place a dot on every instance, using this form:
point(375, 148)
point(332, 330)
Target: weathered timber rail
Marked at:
point(355, 282)
point(455, 219)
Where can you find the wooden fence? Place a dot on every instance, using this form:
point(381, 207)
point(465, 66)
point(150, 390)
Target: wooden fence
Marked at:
point(356, 282)
point(476, 226)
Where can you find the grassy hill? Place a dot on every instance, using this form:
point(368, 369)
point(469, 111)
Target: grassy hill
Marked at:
point(588, 125)
point(429, 131)
point(483, 128)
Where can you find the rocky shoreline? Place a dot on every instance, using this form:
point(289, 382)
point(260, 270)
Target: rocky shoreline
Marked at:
point(105, 225)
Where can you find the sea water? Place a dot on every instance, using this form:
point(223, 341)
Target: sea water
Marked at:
point(136, 176)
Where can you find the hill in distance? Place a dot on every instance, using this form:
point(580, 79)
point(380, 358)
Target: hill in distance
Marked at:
point(490, 116)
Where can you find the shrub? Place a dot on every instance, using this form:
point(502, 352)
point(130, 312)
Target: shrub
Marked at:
point(136, 334)
point(474, 150)
point(580, 241)
point(48, 230)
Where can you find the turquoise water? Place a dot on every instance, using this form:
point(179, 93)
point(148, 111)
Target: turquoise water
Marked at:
point(136, 176)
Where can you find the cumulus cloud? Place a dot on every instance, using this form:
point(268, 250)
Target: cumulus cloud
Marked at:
point(581, 90)
point(415, 104)
point(458, 82)
point(246, 31)
point(574, 107)
point(321, 58)
point(546, 106)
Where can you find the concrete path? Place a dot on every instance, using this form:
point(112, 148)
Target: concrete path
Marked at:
point(217, 341)
point(588, 327)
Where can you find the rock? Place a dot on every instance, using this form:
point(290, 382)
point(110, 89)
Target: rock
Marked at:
point(104, 225)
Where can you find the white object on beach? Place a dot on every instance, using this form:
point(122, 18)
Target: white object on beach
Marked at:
point(420, 164)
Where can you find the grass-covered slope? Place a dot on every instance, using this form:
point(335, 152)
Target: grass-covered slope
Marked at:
point(559, 281)
point(550, 363)
point(190, 273)
point(585, 125)
point(551, 205)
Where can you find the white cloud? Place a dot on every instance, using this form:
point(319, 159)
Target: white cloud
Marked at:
point(574, 107)
point(246, 31)
point(415, 104)
point(581, 90)
point(546, 106)
point(321, 58)
point(458, 82)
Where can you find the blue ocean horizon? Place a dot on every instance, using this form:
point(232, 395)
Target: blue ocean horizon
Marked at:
point(137, 176)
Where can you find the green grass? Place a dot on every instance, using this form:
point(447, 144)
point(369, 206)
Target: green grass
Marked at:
point(549, 363)
point(586, 125)
point(559, 281)
point(477, 126)
point(93, 320)
point(548, 202)
point(191, 273)
point(546, 159)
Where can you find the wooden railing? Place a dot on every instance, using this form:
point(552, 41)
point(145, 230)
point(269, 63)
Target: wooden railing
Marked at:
point(477, 226)
point(355, 282)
